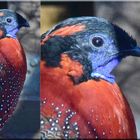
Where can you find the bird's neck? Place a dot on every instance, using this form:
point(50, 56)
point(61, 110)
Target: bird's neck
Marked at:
point(12, 33)
point(67, 68)
point(74, 70)
point(13, 52)
point(71, 67)
point(104, 71)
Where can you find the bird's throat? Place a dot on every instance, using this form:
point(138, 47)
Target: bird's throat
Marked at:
point(12, 33)
point(103, 72)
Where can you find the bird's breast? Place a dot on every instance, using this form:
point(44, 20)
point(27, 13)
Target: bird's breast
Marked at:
point(92, 109)
point(12, 76)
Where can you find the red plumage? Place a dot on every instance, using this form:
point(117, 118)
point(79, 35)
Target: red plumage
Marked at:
point(101, 109)
point(12, 76)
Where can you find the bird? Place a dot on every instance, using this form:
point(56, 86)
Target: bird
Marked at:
point(78, 92)
point(12, 63)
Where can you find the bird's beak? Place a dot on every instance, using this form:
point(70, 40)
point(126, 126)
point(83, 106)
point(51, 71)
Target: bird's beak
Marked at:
point(22, 22)
point(135, 51)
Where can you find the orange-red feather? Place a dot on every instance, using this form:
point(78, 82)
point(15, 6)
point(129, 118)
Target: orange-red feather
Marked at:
point(101, 109)
point(12, 76)
point(64, 31)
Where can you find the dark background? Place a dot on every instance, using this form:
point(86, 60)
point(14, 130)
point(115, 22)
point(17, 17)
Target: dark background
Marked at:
point(25, 123)
point(124, 14)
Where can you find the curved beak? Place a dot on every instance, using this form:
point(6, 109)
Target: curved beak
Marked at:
point(135, 51)
point(22, 22)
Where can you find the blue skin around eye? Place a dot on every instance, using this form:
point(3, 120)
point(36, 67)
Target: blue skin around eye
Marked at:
point(104, 59)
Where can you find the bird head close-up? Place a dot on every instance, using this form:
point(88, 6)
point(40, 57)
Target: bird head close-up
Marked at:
point(11, 22)
point(94, 42)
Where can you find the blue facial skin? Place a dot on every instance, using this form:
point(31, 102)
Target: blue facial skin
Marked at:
point(99, 47)
point(104, 57)
point(12, 22)
point(103, 72)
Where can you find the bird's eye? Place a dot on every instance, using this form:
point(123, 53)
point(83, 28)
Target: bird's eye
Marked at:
point(8, 20)
point(97, 41)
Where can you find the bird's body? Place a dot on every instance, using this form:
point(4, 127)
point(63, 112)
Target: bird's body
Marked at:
point(12, 76)
point(101, 109)
point(80, 99)
point(12, 65)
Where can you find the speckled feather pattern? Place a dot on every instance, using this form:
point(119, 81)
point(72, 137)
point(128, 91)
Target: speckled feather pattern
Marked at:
point(70, 111)
point(12, 76)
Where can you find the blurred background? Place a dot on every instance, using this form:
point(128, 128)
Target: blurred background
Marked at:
point(124, 14)
point(25, 123)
